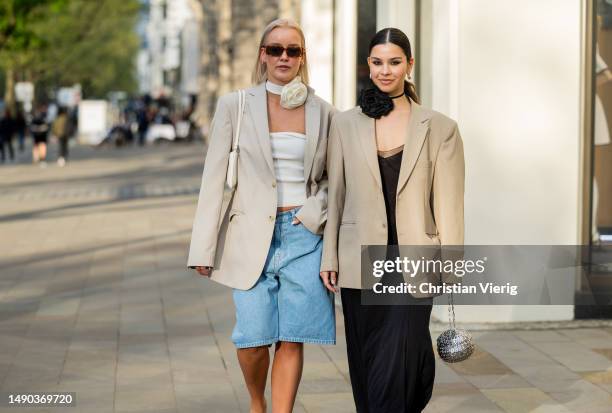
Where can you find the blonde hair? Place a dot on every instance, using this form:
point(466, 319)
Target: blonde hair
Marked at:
point(259, 71)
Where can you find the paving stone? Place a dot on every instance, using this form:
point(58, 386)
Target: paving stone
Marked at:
point(606, 352)
point(95, 298)
point(328, 403)
point(541, 335)
point(462, 397)
point(480, 363)
point(145, 396)
point(497, 381)
point(446, 374)
point(584, 397)
point(574, 356)
point(521, 400)
point(602, 379)
point(201, 397)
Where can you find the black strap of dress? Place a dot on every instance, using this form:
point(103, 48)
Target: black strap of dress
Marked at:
point(389, 163)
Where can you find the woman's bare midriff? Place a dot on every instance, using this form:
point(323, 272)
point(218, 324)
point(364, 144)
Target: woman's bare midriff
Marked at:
point(286, 208)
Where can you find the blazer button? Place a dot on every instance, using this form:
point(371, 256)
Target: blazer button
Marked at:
point(271, 218)
point(273, 184)
point(384, 225)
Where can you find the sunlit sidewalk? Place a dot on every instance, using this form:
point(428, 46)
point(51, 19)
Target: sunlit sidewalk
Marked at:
point(95, 299)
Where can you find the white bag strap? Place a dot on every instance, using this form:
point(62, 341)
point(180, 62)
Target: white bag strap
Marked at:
point(241, 104)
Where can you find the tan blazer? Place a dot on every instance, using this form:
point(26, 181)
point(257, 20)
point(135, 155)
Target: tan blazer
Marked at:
point(236, 242)
point(429, 203)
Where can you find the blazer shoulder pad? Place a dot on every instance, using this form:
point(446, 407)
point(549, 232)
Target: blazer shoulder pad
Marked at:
point(348, 115)
point(441, 120)
point(228, 99)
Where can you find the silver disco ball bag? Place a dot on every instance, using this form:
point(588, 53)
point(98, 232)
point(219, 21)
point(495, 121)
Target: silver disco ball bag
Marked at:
point(454, 345)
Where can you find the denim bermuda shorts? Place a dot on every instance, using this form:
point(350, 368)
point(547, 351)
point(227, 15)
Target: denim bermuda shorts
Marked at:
point(289, 301)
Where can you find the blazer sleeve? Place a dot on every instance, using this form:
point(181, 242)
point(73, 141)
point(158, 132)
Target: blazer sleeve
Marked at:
point(448, 189)
point(208, 213)
point(313, 214)
point(335, 200)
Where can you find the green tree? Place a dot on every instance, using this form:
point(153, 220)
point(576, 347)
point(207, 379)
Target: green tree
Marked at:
point(17, 18)
point(61, 42)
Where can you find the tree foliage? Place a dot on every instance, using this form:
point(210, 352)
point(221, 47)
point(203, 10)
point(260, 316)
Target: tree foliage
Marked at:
point(62, 42)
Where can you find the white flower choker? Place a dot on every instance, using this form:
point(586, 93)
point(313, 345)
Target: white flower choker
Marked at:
point(293, 94)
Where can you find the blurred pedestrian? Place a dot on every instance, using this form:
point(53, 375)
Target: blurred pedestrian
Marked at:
point(7, 130)
point(20, 129)
point(278, 210)
point(40, 131)
point(60, 130)
point(142, 118)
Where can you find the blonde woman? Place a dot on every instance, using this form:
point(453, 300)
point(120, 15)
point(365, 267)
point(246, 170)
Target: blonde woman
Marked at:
point(266, 243)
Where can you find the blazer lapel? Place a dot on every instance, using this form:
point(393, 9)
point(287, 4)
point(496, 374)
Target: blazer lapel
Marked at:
point(258, 107)
point(313, 122)
point(367, 134)
point(417, 132)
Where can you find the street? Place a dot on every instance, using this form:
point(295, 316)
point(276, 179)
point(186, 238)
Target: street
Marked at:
point(95, 298)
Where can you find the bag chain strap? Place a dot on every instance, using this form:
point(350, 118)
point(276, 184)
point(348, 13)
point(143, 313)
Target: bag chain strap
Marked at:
point(451, 307)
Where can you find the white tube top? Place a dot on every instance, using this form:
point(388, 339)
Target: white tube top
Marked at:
point(288, 155)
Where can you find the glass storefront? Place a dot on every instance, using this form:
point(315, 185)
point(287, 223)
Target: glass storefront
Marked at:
point(366, 29)
point(599, 155)
point(451, 59)
point(602, 111)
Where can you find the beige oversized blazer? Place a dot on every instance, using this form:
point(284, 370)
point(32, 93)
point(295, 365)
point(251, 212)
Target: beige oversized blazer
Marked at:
point(429, 202)
point(235, 241)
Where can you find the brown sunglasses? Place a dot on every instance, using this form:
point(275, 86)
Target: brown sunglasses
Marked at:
point(277, 51)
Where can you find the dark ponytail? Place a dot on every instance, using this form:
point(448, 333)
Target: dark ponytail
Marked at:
point(398, 38)
point(410, 91)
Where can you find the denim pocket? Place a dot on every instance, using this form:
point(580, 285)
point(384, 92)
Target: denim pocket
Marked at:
point(303, 227)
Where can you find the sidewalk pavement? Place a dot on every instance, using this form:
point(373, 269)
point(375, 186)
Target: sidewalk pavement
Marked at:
point(95, 299)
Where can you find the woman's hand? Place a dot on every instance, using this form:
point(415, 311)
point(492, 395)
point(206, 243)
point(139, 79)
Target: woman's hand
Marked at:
point(205, 271)
point(330, 280)
point(296, 220)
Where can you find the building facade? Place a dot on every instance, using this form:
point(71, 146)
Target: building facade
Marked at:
point(538, 160)
point(520, 78)
point(169, 58)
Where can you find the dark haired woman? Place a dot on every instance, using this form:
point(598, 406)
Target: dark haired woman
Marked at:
point(396, 176)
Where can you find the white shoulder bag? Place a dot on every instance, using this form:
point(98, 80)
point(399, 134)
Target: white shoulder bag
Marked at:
point(232, 165)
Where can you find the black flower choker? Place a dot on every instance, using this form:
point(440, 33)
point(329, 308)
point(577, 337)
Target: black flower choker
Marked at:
point(375, 103)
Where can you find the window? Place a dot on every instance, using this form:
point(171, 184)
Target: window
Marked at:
point(366, 29)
